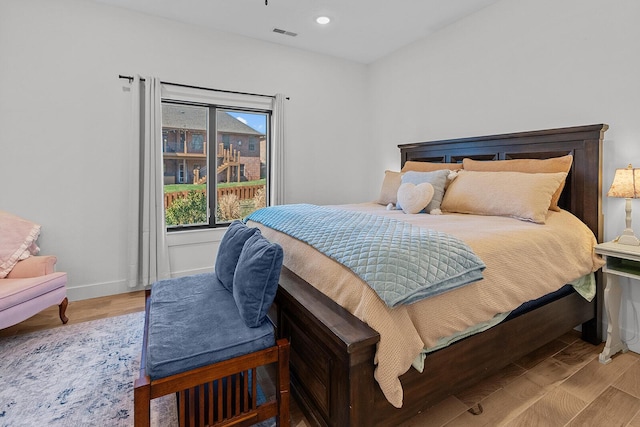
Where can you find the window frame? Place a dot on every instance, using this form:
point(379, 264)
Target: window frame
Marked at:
point(211, 156)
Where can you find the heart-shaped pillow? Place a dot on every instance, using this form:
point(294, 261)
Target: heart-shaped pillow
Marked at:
point(414, 198)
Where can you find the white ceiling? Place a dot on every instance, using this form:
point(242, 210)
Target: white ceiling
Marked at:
point(360, 30)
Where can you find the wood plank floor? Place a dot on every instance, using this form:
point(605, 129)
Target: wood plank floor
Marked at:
point(561, 384)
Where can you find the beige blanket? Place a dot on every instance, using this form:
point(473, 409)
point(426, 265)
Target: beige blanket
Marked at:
point(524, 261)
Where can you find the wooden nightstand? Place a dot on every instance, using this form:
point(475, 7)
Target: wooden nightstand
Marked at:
point(621, 260)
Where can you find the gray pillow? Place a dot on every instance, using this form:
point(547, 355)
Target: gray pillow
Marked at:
point(229, 251)
point(436, 178)
point(256, 280)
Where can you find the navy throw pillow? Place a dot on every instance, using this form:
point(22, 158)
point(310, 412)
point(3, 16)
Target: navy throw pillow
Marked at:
point(229, 251)
point(256, 280)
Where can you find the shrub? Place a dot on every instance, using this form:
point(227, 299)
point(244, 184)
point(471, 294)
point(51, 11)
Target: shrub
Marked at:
point(191, 209)
point(228, 208)
point(260, 199)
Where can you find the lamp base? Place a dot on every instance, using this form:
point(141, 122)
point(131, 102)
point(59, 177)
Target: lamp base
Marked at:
point(628, 238)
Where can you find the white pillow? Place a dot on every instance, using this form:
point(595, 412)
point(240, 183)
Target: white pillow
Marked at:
point(414, 198)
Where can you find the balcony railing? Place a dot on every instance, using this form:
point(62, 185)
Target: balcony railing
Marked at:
point(181, 148)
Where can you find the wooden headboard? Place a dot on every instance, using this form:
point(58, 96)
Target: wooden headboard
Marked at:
point(582, 194)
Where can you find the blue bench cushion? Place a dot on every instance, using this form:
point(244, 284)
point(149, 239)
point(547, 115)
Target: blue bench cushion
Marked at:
point(194, 322)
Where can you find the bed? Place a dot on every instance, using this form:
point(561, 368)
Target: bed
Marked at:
point(333, 352)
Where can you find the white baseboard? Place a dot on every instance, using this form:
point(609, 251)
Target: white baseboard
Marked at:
point(630, 338)
point(191, 271)
point(96, 290)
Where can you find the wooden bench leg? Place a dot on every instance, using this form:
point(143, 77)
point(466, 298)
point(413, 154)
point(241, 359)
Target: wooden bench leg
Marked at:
point(141, 403)
point(283, 386)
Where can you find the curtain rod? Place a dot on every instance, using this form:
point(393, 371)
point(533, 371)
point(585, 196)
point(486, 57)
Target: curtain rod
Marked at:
point(130, 78)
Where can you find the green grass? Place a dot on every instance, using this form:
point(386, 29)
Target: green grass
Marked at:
point(240, 184)
point(172, 188)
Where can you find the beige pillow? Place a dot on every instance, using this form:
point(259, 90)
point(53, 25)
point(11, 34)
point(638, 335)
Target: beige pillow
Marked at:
point(390, 185)
point(554, 164)
point(520, 195)
point(411, 165)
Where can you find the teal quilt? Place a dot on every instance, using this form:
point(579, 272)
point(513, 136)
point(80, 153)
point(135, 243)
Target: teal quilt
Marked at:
point(401, 262)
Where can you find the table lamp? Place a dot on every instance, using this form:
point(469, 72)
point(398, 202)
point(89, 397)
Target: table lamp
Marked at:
point(626, 184)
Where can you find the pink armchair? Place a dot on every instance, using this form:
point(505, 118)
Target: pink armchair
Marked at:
point(30, 287)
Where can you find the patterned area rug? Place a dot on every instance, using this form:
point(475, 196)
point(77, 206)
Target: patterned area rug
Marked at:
point(76, 375)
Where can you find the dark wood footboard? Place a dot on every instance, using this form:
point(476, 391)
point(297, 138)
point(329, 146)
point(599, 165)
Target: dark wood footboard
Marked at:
point(331, 362)
point(332, 355)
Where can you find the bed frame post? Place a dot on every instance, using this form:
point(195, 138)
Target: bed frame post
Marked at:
point(332, 355)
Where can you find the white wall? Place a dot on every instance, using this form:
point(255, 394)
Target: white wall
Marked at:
point(521, 65)
point(65, 122)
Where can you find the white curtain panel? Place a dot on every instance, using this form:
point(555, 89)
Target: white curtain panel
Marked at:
point(147, 250)
point(277, 152)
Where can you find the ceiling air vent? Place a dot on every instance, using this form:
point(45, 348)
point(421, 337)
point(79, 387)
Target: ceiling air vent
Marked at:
point(285, 32)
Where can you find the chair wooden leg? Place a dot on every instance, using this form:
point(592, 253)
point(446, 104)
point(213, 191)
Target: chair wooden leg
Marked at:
point(62, 308)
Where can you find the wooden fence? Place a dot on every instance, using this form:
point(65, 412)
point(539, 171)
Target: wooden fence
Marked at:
point(242, 193)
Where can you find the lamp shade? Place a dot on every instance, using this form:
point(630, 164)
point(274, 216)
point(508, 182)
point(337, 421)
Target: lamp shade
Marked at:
point(626, 183)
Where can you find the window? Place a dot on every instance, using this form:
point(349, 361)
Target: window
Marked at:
point(196, 145)
point(181, 173)
point(212, 176)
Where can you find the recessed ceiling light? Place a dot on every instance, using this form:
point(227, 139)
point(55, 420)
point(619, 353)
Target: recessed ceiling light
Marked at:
point(323, 20)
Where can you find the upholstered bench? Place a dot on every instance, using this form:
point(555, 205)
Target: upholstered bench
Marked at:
point(206, 335)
